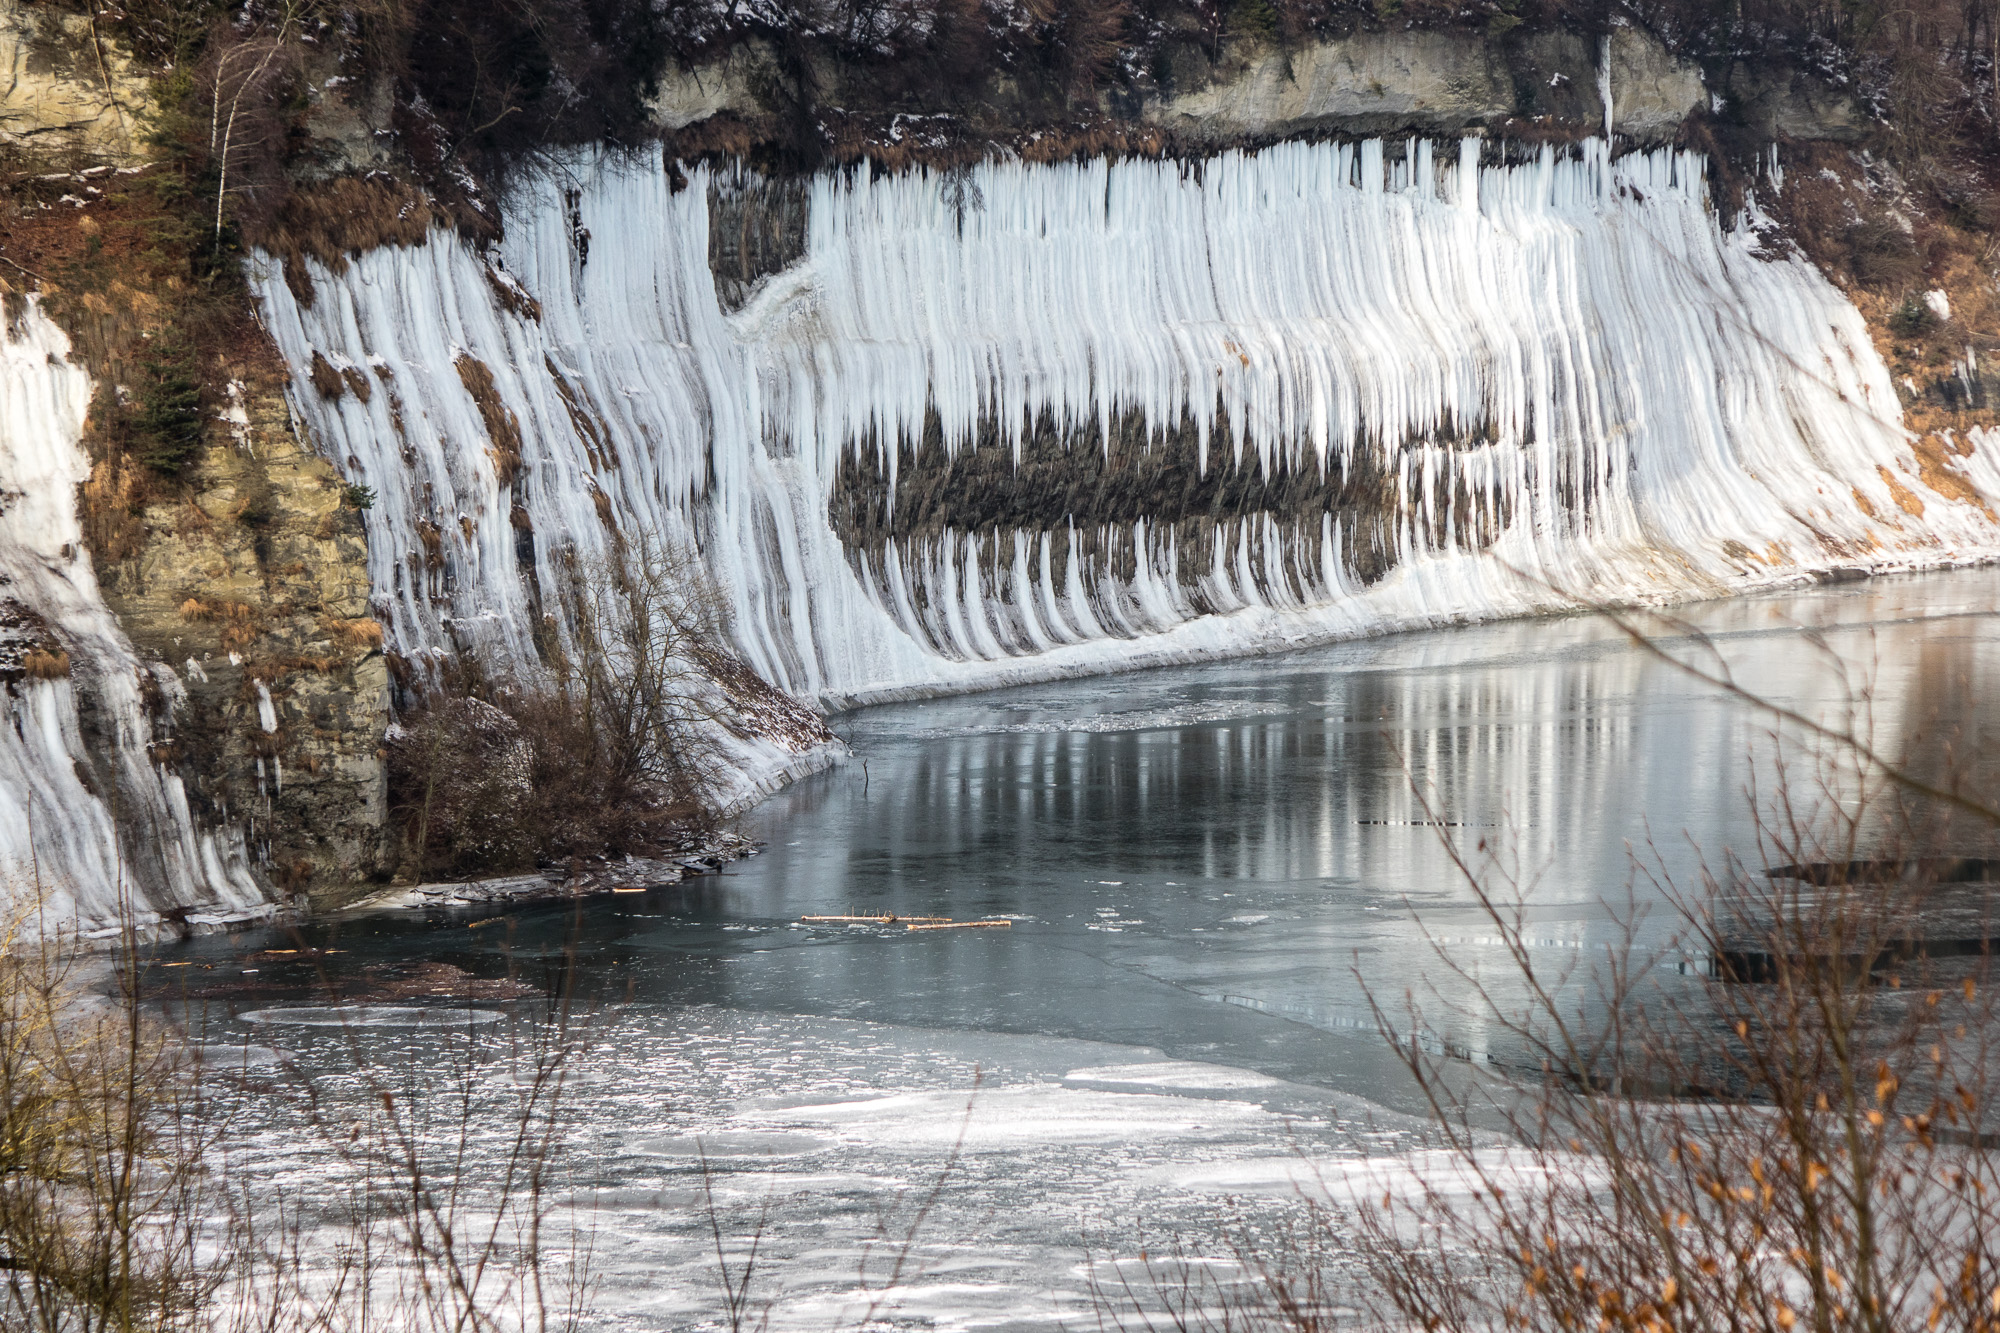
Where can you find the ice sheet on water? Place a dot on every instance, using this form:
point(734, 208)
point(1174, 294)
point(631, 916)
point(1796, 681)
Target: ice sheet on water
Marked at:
point(372, 1016)
point(1051, 1170)
point(734, 1143)
point(1005, 1118)
point(1350, 1179)
point(1183, 1074)
point(1191, 713)
point(224, 1056)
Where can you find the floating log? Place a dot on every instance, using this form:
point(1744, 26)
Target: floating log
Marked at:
point(1923, 869)
point(882, 919)
point(1760, 966)
point(963, 925)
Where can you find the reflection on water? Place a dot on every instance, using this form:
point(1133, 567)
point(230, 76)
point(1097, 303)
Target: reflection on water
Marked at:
point(1208, 871)
point(1216, 860)
point(1252, 833)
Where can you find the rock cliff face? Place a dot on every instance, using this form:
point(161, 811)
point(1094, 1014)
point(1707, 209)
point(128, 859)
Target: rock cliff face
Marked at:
point(237, 583)
point(951, 420)
point(240, 600)
point(253, 587)
point(65, 88)
point(1022, 421)
point(96, 826)
point(1531, 86)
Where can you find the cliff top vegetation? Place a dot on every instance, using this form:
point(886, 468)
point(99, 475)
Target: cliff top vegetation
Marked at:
point(465, 87)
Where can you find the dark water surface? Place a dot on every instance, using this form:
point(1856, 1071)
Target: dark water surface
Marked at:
point(1220, 862)
point(1207, 870)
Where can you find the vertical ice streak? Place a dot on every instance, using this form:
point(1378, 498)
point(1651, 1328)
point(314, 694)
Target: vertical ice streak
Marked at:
point(90, 827)
point(1604, 82)
point(1566, 378)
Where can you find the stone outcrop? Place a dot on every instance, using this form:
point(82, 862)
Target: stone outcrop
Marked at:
point(1426, 81)
point(66, 89)
point(1368, 83)
point(1786, 104)
point(253, 586)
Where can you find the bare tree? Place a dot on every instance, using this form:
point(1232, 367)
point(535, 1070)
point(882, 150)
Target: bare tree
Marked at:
point(617, 747)
point(645, 622)
point(1795, 1134)
point(244, 70)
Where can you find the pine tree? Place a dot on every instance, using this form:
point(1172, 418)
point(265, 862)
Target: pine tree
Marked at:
point(167, 419)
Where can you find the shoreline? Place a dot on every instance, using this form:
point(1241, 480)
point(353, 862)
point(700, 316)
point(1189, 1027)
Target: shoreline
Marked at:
point(634, 874)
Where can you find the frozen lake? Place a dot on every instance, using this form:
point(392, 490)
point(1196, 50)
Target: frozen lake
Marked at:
point(1207, 871)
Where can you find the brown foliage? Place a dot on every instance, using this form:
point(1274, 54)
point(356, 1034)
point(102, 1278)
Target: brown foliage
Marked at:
point(503, 428)
point(339, 219)
point(612, 754)
point(45, 664)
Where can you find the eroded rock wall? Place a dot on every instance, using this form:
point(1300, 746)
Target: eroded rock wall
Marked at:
point(66, 88)
point(1530, 85)
point(252, 585)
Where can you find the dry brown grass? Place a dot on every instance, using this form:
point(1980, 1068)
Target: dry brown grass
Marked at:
point(365, 634)
point(332, 383)
point(334, 221)
point(723, 137)
point(45, 664)
point(325, 378)
point(590, 427)
point(113, 505)
point(196, 609)
point(503, 428)
point(1905, 498)
point(511, 296)
point(1938, 471)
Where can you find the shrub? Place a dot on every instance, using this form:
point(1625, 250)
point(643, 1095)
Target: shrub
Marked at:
point(1912, 319)
point(464, 774)
point(95, 1213)
point(129, 1205)
point(1881, 253)
point(167, 420)
point(610, 753)
point(1796, 1137)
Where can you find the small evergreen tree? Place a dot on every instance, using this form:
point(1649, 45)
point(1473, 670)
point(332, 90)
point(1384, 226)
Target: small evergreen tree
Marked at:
point(167, 415)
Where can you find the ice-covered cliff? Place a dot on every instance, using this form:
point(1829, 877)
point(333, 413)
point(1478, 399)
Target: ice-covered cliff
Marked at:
point(1029, 420)
point(93, 831)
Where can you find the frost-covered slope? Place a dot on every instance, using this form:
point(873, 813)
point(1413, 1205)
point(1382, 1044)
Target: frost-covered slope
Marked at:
point(67, 792)
point(1511, 380)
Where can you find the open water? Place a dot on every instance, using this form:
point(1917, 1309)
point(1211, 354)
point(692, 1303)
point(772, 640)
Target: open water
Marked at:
point(1209, 874)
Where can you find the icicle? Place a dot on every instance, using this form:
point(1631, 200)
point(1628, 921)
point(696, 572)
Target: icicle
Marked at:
point(1604, 83)
point(61, 858)
point(1555, 365)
